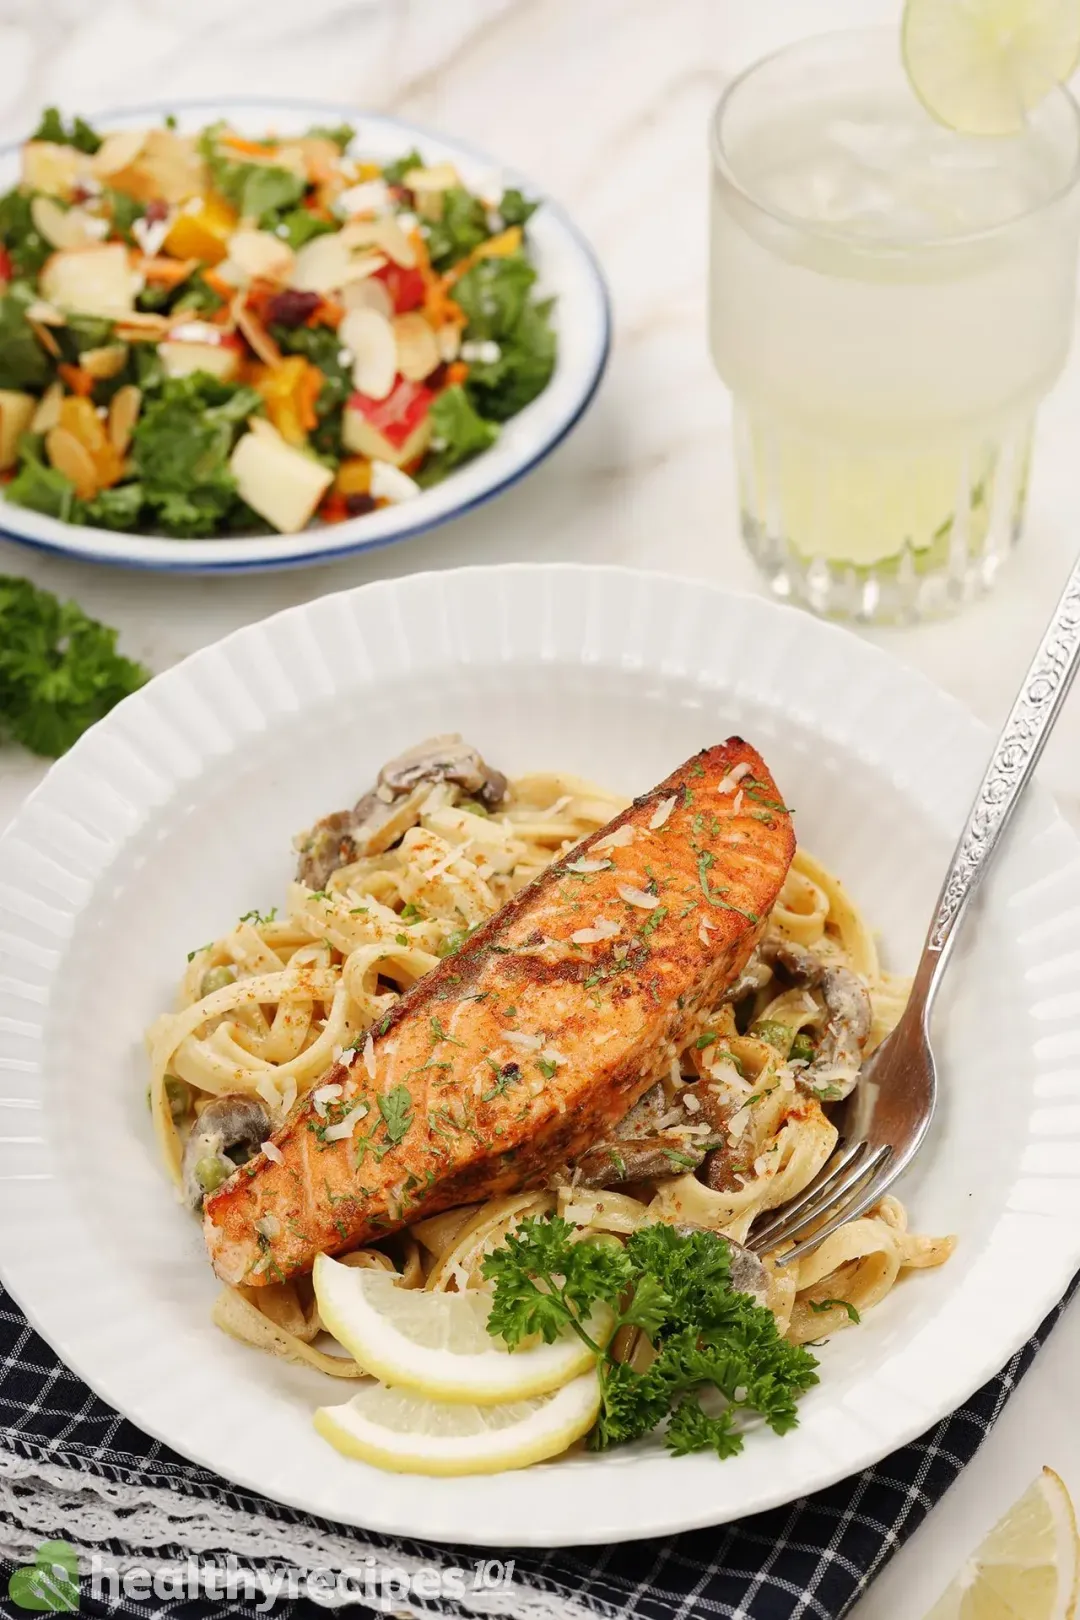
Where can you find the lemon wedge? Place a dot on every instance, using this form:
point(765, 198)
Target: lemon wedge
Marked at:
point(980, 66)
point(1027, 1567)
point(401, 1431)
point(437, 1344)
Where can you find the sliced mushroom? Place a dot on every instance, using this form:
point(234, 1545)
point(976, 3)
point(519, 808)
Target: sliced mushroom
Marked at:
point(228, 1132)
point(637, 1151)
point(834, 1071)
point(385, 814)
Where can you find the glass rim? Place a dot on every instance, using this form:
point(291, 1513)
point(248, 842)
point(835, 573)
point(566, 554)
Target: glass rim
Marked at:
point(877, 245)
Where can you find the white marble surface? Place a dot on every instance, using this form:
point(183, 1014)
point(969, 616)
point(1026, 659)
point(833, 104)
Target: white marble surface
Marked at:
point(605, 104)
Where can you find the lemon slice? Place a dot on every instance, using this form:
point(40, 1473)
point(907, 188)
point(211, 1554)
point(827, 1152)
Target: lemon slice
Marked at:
point(438, 1344)
point(980, 66)
point(1026, 1569)
point(401, 1431)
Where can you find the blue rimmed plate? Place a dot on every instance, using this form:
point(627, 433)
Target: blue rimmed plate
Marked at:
point(567, 270)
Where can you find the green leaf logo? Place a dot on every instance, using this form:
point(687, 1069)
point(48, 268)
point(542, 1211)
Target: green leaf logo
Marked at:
point(50, 1585)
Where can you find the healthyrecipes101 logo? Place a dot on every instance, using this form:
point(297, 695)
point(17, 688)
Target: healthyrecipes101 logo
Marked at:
point(50, 1585)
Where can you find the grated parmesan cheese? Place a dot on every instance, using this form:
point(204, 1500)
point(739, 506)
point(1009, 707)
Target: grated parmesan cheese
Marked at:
point(731, 781)
point(369, 1055)
point(618, 839)
point(585, 865)
point(637, 897)
point(603, 928)
point(662, 812)
point(347, 1124)
point(272, 1152)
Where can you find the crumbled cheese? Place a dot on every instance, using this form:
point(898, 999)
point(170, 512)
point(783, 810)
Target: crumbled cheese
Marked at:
point(346, 358)
point(272, 1152)
point(389, 483)
point(662, 812)
point(637, 897)
point(150, 234)
point(407, 222)
point(618, 839)
point(487, 353)
point(195, 332)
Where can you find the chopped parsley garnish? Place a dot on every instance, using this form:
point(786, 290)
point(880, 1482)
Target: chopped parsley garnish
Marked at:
point(258, 917)
point(548, 1067)
point(715, 896)
point(820, 1306)
point(709, 1038)
point(401, 939)
point(191, 955)
point(653, 921)
point(439, 1034)
point(677, 1290)
point(396, 1109)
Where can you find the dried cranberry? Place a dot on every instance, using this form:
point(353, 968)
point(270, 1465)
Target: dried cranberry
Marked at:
point(156, 211)
point(292, 307)
point(358, 505)
point(436, 379)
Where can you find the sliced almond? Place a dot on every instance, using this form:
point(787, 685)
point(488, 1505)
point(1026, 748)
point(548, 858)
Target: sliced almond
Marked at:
point(448, 338)
point(61, 227)
point(369, 337)
point(123, 415)
point(48, 409)
point(417, 348)
point(260, 255)
point(117, 151)
point(45, 338)
point(47, 166)
point(384, 234)
point(45, 314)
point(327, 263)
point(73, 459)
point(250, 327)
point(105, 362)
point(368, 294)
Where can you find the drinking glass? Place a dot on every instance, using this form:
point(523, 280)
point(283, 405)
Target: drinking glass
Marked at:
point(889, 302)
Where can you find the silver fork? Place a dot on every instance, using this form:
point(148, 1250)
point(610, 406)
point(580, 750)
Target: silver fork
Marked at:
point(884, 1121)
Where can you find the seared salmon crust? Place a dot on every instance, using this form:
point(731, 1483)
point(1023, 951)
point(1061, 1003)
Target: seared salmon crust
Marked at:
point(532, 1040)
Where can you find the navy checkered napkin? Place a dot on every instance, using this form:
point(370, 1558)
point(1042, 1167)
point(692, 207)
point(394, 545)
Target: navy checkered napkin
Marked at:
point(808, 1561)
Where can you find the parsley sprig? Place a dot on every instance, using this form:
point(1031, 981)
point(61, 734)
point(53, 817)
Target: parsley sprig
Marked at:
point(677, 1289)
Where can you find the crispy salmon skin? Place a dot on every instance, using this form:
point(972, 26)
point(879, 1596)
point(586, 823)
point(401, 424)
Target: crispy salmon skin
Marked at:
point(516, 1053)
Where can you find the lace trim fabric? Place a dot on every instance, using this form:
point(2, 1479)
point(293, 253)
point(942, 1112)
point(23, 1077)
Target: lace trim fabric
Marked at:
point(160, 1529)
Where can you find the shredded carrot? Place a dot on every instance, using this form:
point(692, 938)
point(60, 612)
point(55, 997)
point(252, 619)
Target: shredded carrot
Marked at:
point(79, 381)
point(253, 148)
point(166, 272)
point(456, 372)
point(329, 313)
point(218, 284)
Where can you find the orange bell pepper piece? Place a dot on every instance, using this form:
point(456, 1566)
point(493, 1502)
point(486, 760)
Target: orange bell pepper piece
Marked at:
point(456, 372)
point(78, 415)
point(203, 232)
point(354, 476)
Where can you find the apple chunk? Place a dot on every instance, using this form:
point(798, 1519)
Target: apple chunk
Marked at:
point(397, 429)
point(16, 413)
point(282, 484)
point(221, 360)
point(95, 280)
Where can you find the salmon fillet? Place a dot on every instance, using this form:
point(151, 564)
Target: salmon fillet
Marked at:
point(528, 1044)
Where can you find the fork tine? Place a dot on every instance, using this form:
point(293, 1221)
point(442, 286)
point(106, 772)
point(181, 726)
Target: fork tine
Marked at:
point(833, 1195)
point(865, 1200)
point(811, 1194)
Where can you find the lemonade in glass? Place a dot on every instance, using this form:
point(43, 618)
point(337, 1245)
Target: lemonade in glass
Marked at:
point(890, 300)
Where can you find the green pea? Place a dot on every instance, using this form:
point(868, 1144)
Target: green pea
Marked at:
point(802, 1049)
point(210, 1173)
point(475, 808)
point(179, 1094)
point(774, 1034)
point(216, 979)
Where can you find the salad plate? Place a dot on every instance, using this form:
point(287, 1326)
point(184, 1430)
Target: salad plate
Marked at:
point(500, 321)
point(175, 815)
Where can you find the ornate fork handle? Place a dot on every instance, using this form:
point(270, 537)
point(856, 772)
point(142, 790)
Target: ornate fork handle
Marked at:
point(1023, 737)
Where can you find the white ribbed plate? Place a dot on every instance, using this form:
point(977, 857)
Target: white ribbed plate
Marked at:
point(567, 271)
point(175, 816)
